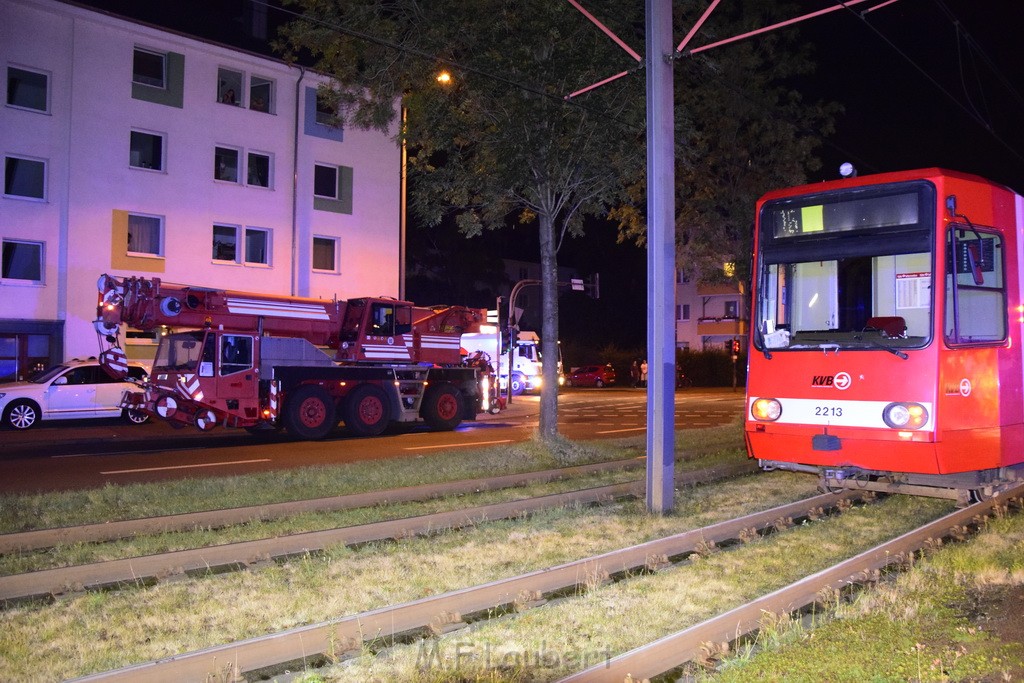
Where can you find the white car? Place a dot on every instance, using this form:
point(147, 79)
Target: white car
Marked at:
point(73, 390)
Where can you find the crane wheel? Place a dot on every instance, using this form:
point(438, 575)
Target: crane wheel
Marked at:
point(310, 412)
point(366, 410)
point(442, 408)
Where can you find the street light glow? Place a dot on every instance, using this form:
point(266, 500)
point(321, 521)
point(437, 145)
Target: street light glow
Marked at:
point(444, 78)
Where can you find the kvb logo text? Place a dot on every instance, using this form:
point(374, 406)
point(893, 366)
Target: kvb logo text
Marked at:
point(840, 380)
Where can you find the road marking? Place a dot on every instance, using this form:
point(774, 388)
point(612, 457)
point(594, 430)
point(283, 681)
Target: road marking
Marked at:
point(456, 445)
point(614, 431)
point(185, 467)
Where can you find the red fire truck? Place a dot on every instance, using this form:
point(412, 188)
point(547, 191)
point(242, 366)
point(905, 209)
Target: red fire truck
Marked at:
point(260, 361)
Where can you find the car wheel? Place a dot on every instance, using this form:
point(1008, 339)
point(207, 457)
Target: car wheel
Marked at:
point(135, 417)
point(598, 383)
point(21, 415)
point(518, 383)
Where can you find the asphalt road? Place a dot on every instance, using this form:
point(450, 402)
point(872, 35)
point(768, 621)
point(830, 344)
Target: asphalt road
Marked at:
point(91, 453)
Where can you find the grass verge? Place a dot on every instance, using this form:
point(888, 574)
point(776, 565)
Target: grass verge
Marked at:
point(99, 631)
point(954, 617)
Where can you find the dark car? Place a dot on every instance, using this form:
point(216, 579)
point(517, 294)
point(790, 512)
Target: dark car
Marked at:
point(591, 376)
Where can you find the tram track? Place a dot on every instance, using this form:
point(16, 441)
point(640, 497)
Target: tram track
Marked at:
point(677, 649)
point(440, 613)
point(257, 657)
point(40, 539)
point(144, 570)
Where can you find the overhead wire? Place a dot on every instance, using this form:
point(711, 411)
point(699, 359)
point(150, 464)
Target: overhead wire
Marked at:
point(977, 48)
point(965, 109)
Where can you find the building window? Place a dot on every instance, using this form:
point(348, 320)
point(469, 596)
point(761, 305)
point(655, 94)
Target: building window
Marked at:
point(686, 312)
point(147, 151)
point(325, 181)
point(325, 254)
point(225, 243)
point(159, 77)
point(229, 87)
point(257, 246)
point(326, 111)
point(149, 68)
point(332, 188)
point(259, 169)
point(261, 94)
point(145, 235)
point(225, 164)
point(731, 309)
point(22, 261)
point(24, 177)
point(28, 89)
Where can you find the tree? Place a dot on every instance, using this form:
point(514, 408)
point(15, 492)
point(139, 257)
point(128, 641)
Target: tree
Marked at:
point(499, 142)
point(742, 128)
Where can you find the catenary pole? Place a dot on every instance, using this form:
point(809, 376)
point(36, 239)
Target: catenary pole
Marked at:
point(661, 259)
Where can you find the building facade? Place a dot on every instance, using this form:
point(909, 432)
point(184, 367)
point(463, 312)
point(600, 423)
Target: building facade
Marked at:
point(131, 150)
point(710, 316)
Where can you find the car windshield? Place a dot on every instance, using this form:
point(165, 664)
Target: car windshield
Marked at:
point(46, 376)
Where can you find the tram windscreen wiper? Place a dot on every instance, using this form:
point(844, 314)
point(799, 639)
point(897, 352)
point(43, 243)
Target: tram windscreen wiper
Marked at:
point(891, 349)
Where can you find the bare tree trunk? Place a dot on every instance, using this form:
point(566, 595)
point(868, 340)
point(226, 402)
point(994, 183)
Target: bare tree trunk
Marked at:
point(549, 328)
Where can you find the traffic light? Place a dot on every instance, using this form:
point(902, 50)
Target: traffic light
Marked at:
point(736, 346)
point(509, 335)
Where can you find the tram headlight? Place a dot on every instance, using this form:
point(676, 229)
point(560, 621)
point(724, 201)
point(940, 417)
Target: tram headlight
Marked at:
point(766, 410)
point(905, 415)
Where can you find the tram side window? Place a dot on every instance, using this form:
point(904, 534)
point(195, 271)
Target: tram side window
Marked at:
point(975, 288)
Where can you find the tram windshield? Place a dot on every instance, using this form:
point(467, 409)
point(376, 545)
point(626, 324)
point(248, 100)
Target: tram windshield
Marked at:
point(849, 269)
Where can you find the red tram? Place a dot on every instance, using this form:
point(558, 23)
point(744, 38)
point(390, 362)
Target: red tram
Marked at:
point(886, 331)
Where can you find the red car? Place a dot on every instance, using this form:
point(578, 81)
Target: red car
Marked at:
point(591, 376)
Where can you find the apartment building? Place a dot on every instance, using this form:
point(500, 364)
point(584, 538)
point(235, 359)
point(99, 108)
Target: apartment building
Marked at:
point(131, 150)
point(710, 316)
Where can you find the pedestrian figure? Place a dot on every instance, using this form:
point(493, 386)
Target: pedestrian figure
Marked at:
point(634, 374)
point(643, 373)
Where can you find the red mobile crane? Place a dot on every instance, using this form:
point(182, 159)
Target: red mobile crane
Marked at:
point(257, 361)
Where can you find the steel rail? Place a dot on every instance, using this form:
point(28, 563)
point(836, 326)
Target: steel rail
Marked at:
point(138, 570)
point(674, 650)
point(108, 531)
point(348, 633)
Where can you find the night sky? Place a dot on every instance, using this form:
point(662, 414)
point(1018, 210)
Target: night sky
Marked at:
point(896, 117)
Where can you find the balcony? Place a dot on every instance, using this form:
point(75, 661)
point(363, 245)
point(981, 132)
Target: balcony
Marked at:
point(719, 289)
point(733, 327)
